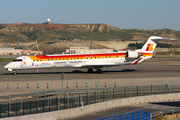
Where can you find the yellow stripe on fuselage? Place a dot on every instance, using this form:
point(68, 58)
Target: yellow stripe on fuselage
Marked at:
point(150, 54)
point(75, 58)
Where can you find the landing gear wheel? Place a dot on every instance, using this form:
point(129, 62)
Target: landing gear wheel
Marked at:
point(90, 70)
point(14, 72)
point(99, 71)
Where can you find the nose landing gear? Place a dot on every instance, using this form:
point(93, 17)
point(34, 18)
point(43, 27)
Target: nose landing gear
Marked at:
point(14, 72)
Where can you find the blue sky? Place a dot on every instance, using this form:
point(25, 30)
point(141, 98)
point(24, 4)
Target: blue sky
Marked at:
point(124, 14)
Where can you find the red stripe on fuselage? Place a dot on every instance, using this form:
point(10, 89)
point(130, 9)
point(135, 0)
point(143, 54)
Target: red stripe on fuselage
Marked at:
point(83, 55)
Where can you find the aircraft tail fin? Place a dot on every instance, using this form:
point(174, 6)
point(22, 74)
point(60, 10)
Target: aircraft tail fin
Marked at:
point(150, 45)
point(147, 50)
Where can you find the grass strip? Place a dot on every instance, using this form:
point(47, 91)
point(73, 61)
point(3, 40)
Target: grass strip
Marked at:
point(6, 59)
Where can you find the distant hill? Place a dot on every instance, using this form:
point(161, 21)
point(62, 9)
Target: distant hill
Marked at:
point(99, 32)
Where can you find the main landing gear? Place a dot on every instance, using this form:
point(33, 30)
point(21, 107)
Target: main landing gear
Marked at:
point(99, 71)
point(90, 70)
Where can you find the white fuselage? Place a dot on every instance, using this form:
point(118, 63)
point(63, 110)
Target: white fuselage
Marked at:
point(88, 61)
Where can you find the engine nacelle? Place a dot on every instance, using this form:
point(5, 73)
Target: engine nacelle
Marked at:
point(132, 54)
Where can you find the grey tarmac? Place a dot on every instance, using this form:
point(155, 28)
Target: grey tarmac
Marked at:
point(142, 70)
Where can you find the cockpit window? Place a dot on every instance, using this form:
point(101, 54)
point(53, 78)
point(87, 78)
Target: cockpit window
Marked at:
point(17, 60)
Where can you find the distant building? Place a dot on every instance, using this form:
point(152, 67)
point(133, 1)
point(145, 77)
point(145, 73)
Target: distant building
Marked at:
point(80, 50)
point(36, 52)
point(10, 51)
point(26, 52)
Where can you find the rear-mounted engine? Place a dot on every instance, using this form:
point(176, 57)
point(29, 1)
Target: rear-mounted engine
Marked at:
point(132, 54)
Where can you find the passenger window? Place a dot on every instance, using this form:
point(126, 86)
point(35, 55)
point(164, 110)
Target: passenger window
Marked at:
point(91, 57)
point(86, 57)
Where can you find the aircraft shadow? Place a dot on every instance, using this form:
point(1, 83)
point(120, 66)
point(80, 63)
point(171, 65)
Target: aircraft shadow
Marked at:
point(74, 71)
point(123, 70)
point(174, 104)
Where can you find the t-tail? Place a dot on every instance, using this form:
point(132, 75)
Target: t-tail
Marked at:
point(149, 46)
point(148, 49)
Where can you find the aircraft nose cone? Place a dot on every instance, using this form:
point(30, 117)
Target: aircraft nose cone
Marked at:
point(6, 66)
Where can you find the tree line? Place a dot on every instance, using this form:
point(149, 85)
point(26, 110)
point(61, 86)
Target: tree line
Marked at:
point(160, 45)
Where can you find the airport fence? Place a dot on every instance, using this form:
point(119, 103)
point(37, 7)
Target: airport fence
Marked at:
point(34, 103)
point(7, 87)
point(19, 87)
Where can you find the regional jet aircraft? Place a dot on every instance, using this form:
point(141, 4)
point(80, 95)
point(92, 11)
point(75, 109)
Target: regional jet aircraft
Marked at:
point(89, 61)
